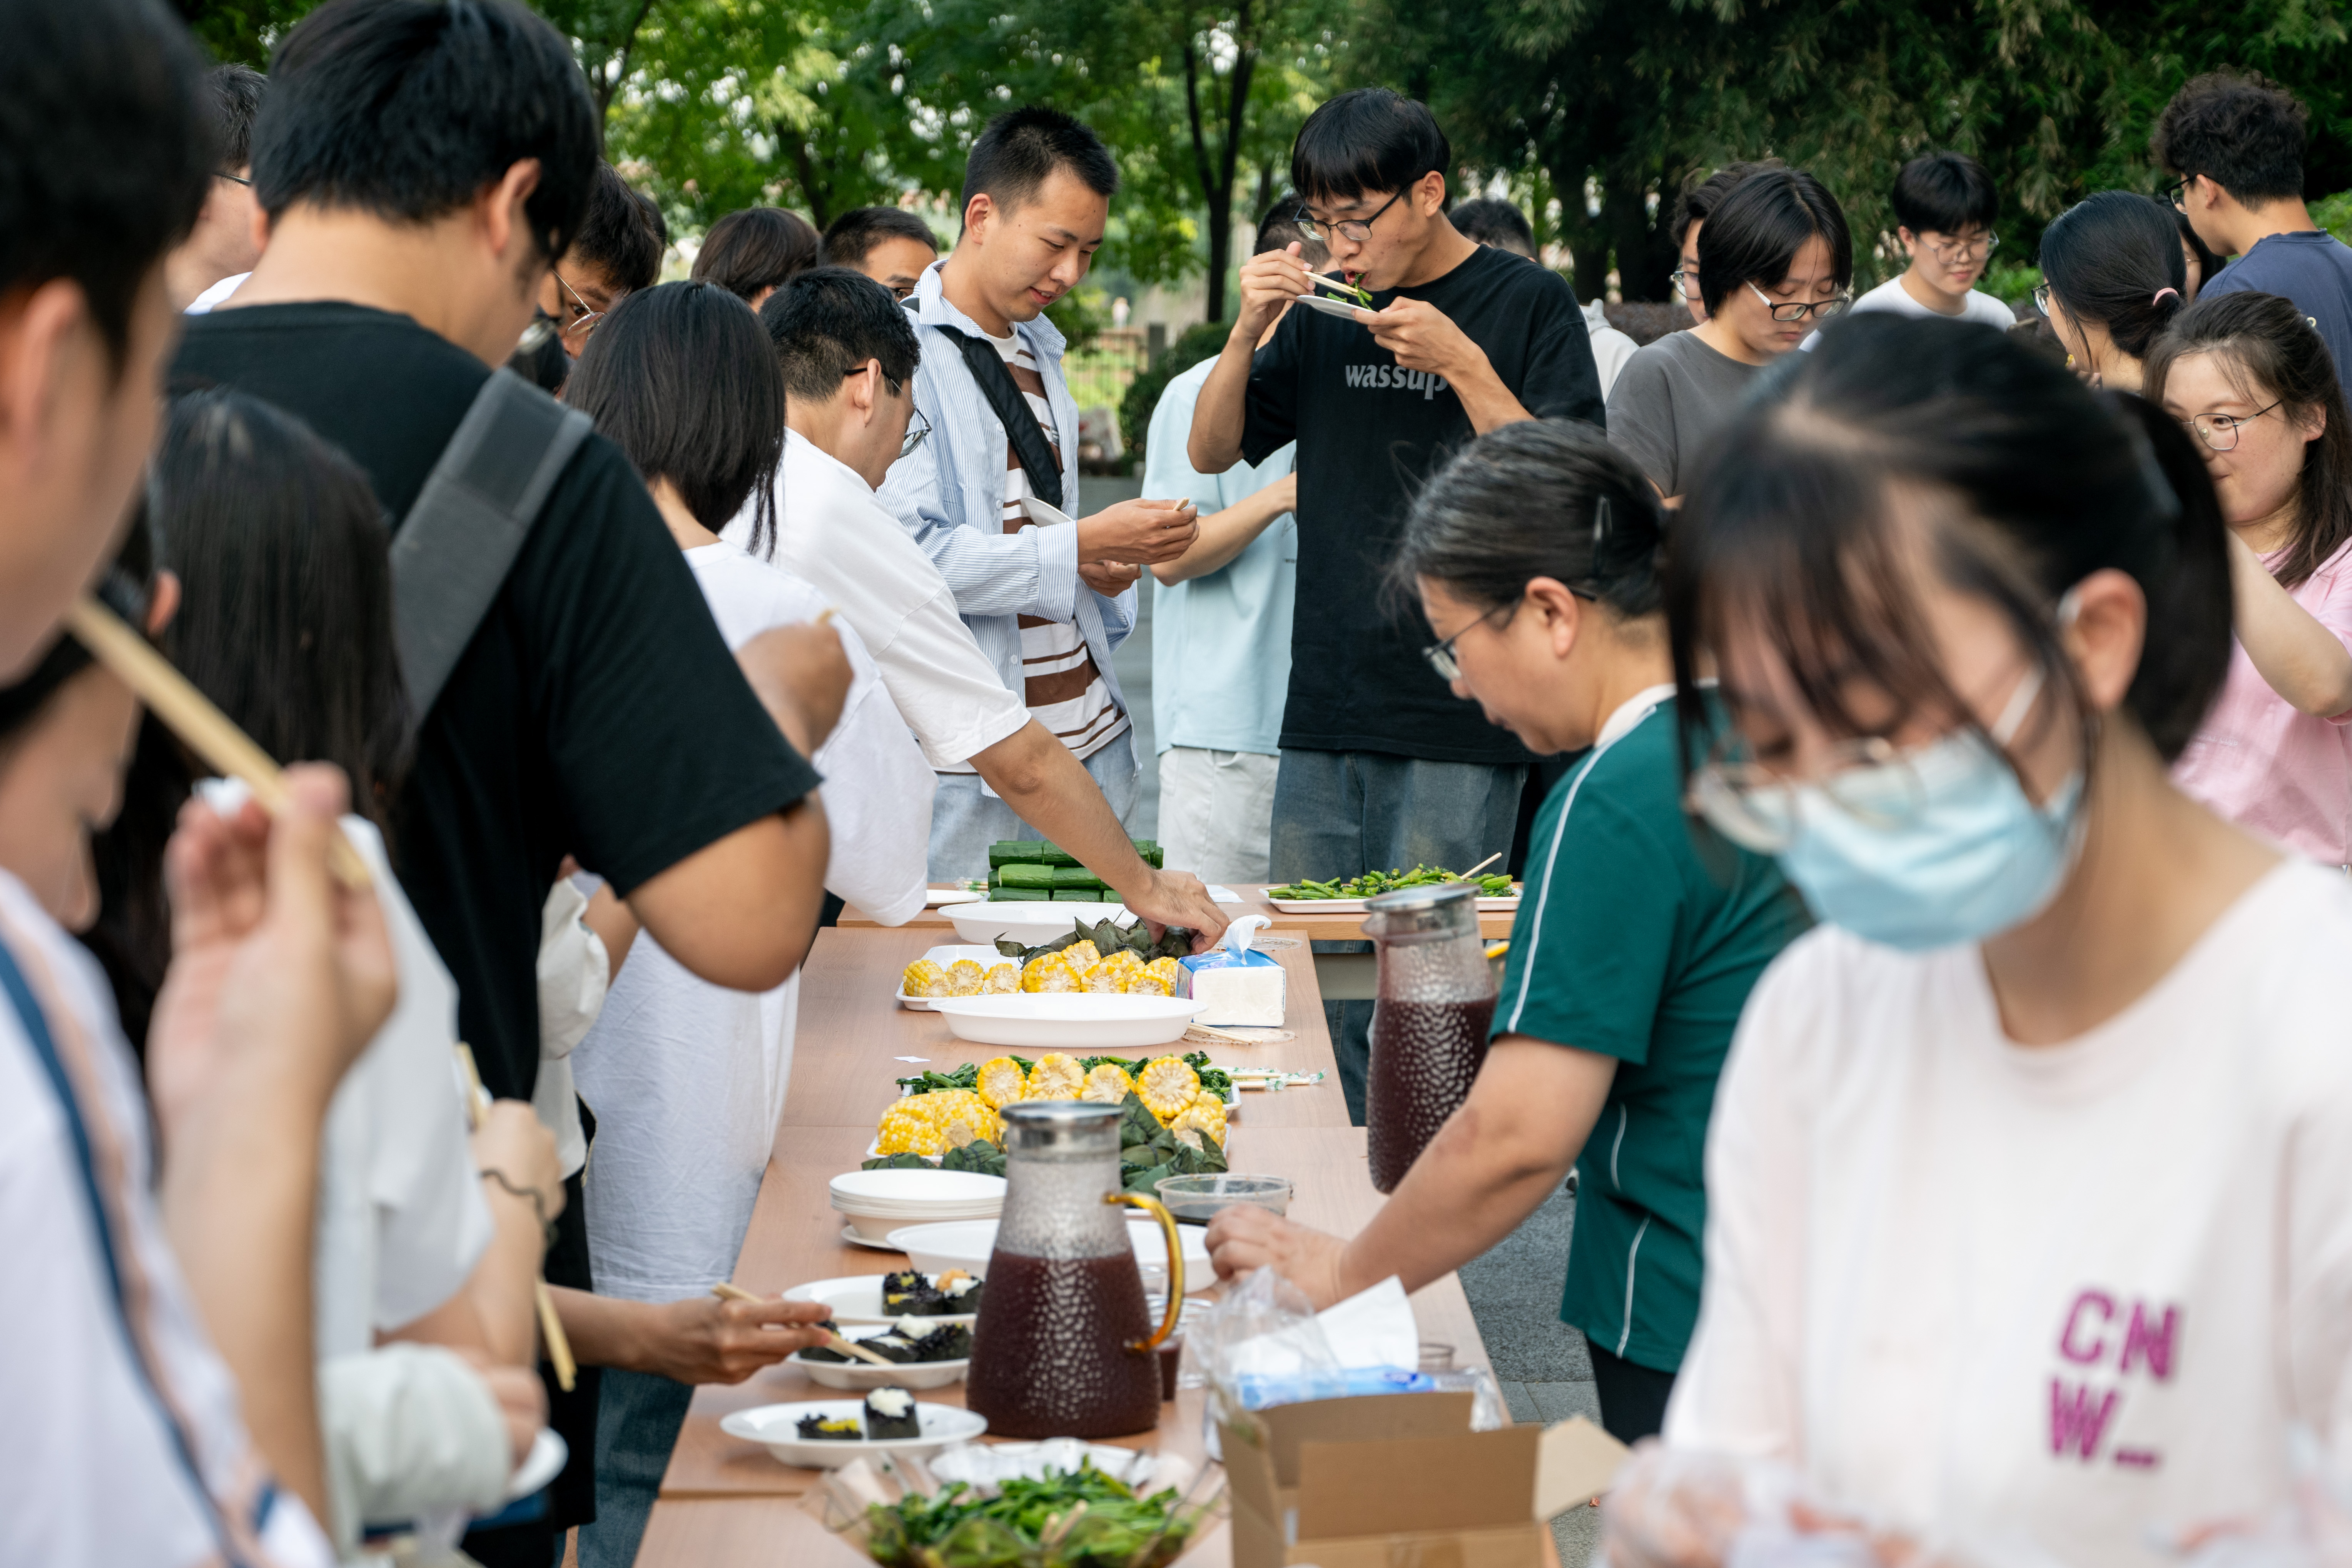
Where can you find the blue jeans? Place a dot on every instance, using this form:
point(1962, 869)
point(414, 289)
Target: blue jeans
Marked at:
point(637, 1421)
point(1342, 813)
point(965, 822)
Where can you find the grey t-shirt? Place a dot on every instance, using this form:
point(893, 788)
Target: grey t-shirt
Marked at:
point(1670, 397)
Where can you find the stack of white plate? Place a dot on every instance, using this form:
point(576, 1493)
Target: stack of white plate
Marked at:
point(880, 1202)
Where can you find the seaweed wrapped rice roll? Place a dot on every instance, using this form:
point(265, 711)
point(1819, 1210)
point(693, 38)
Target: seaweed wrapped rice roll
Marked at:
point(831, 1429)
point(891, 1413)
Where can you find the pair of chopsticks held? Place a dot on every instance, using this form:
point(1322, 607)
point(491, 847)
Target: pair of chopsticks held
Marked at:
point(726, 1292)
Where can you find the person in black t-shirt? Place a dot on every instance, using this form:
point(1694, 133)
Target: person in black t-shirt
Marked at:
point(420, 164)
point(1381, 766)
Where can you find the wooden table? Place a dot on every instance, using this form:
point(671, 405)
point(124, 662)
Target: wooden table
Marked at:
point(724, 1501)
point(1492, 923)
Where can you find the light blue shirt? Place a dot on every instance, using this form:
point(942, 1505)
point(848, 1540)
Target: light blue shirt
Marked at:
point(949, 494)
point(1220, 644)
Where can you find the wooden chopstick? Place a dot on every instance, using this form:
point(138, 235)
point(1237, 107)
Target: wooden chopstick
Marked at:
point(190, 715)
point(1355, 295)
point(551, 1327)
point(1482, 865)
point(726, 1292)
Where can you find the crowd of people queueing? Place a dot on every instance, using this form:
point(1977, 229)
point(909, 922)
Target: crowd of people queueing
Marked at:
point(1923, 732)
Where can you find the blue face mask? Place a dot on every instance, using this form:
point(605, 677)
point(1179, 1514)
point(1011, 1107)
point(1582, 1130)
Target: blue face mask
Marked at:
point(1936, 847)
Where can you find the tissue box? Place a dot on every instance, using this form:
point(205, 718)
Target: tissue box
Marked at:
point(1245, 988)
point(1365, 1483)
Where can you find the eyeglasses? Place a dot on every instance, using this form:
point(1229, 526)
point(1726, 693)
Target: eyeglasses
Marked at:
point(1440, 654)
point(2177, 193)
point(918, 425)
point(1684, 281)
point(1354, 230)
point(1797, 311)
point(2219, 431)
point(534, 337)
point(583, 318)
point(239, 179)
point(1965, 249)
point(2041, 297)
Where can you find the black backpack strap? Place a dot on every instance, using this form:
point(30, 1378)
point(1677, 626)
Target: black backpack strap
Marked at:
point(1030, 447)
point(452, 553)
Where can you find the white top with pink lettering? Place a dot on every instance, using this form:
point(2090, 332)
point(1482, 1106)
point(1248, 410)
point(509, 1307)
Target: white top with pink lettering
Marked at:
point(1979, 1291)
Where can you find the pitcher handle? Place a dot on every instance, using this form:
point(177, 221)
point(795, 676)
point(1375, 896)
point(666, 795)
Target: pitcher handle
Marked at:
point(1175, 1264)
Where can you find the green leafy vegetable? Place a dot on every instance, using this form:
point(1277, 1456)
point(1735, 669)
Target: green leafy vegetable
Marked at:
point(980, 1156)
point(1082, 1519)
point(1372, 883)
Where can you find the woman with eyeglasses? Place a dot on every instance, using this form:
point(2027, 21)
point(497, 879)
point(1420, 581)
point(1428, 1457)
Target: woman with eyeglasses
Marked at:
point(2030, 1178)
point(2113, 275)
point(2255, 383)
point(1775, 260)
point(686, 1078)
point(1534, 555)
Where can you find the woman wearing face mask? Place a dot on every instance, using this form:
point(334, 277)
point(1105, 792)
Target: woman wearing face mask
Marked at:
point(1774, 261)
point(2031, 1173)
point(2116, 274)
point(1533, 554)
point(2255, 385)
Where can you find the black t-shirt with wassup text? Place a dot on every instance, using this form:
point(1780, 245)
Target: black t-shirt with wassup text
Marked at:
point(1368, 431)
point(596, 712)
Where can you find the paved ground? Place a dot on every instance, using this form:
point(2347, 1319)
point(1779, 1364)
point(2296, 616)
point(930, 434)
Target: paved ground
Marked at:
point(1514, 1290)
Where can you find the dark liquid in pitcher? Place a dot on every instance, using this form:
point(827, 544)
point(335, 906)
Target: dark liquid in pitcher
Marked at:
point(1424, 1056)
point(1049, 1356)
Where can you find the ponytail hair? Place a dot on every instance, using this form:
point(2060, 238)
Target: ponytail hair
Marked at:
point(1536, 497)
point(2272, 353)
point(2115, 258)
point(1800, 523)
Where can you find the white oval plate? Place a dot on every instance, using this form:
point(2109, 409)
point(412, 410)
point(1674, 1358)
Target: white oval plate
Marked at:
point(897, 1187)
point(776, 1429)
point(966, 1243)
point(857, 1298)
point(1069, 1020)
point(980, 954)
point(857, 1376)
point(935, 897)
point(1331, 307)
point(1032, 923)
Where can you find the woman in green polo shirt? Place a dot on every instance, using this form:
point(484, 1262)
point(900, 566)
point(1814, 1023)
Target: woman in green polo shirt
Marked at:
point(1534, 555)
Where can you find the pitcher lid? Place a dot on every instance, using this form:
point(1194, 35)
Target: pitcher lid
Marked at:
point(1041, 1124)
point(1407, 901)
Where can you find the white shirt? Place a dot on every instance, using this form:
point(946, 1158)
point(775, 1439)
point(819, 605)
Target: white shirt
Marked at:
point(832, 531)
point(1611, 348)
point(203, 303)
point(686, 1078)
point(2067, 1292)
point(90, 1469)
point(1976, 305)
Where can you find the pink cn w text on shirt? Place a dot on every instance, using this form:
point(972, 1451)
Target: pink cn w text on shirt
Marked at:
point(2263, 763)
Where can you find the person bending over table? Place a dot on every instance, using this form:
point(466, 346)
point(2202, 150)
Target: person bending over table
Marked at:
point(1535, 554)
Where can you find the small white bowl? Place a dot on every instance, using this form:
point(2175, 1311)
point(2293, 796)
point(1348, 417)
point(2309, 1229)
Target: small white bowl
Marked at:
point(776, 1428)
point(1069, 1020)
point(1031, 923)
point(967, 1244)
point(878, 1202)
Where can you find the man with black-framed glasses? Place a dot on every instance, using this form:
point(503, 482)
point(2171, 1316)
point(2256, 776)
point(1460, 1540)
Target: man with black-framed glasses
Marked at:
point(205, 267)
point(1381, 765)
point(1945, 204)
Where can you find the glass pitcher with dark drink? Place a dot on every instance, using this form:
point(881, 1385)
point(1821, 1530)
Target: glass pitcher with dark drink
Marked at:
point(1434, 999)
point(1065, 1345)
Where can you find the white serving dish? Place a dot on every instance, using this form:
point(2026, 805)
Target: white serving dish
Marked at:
point(966, 1243)
point(776, 1429)
point(980, 954)
point(857, 1298)
point(1079, 1022)
point(1033, 923)
point(936, 897)
point(1356, 906)
point(857, 1376)
point(880, 1202)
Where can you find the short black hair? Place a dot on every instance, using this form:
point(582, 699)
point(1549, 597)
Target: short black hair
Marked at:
point(2207, 263)
point(683, 381)
point(852, 236)
point(755, 249)
point(1700, 202)
point(105, 156)
point(1370, 139)
point(829, 320)
point(1756, 233)
point(623, 235)
point(1278, 229)
point(1019, 149)
point(408, 109)
point(2238, 128)
point(1944, 193)
point(234, 95)
point(2113, 257)
point(1491, 220)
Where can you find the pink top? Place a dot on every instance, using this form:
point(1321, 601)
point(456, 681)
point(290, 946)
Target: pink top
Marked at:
point(2266, 766)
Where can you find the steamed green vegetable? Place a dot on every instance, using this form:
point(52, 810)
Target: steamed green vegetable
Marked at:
point(1080, 1519)
point(1372, 883)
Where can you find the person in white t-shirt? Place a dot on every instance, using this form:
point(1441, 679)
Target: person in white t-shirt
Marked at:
point(2030, 1178)
point(1945, 204)
point(848, 355)
point(687, 1080)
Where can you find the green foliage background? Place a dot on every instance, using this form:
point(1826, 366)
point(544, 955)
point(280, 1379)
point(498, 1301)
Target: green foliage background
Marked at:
point(1593, 114)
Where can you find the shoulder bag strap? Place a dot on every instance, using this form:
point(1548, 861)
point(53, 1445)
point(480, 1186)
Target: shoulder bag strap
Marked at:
point(1030, 447)
point(454, 549)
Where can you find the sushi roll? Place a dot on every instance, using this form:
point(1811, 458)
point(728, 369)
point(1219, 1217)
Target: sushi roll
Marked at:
point(890, 1414)
point(957, 1294)
point(964, 978)
point(831, 1429)
point(906, 1286)
point(825, 1353)
point(947, 1342)
point(1001, 980)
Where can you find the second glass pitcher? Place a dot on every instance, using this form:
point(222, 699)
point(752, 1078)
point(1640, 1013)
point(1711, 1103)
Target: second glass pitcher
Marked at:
point(1434, 999)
